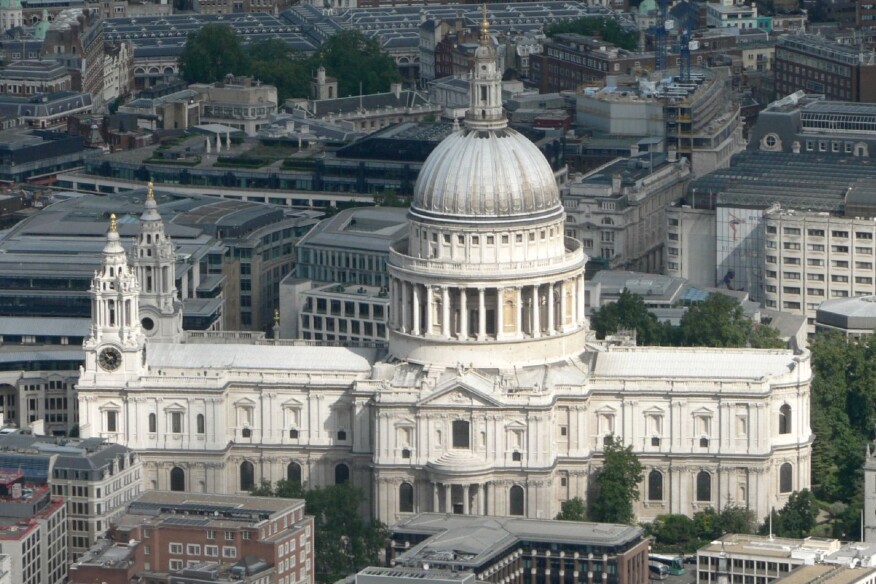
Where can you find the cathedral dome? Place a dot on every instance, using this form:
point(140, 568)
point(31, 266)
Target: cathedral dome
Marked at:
point(486, 174)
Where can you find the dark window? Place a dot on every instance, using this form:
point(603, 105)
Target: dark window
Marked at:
point(153, 423)
point(247, 476)
point(176, 422)
point(786, 478)
point(704, 442)
point(785, 419)
point(202, 427)
point(655, 485)
point(342, 474)
point(516, 457)
point(704, 486)
point(406, 498)
point(406, 453)
point(515, 497)
point(293, 473)
point(177, 479)
point(246, 433)
point(461, 434)
point(111, 419)
point(293, 433)
point(342, 435)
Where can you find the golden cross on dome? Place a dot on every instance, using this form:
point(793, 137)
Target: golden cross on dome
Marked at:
point(113, 224)
point(150, 194)
point(485, 24)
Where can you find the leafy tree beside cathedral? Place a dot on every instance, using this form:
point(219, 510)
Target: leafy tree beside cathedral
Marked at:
point(615, 486)
point(357, 61)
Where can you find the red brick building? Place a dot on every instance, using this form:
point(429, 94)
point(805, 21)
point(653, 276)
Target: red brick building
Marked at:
point(171, 531)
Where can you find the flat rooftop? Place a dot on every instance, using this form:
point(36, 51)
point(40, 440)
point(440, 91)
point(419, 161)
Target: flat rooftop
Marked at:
point(472, 540)
point(363, 228)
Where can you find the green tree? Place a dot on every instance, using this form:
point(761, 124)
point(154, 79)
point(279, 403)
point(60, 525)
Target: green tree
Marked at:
point(718, 321)
point(630, 313)
point(572, 510)
point(602, 27)
point(211, 53)
point(762, 336)
point(733, 519)
point(344, 542)
point(674, 529)
point(274, 62)
point(616, 484)
point(354, 58)
point(796, 519)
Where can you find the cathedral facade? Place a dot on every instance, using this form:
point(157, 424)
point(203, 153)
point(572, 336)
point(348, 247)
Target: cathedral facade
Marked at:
point(493, 396)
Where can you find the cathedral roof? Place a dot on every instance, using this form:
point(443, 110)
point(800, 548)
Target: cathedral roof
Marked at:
point(249, 357)
point(486, 173)
point(679, 362)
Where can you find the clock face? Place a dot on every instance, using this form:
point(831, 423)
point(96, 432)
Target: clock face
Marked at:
point(110, 359)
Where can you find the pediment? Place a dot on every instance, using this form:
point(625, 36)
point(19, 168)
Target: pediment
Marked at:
point(703, 412)
point(459, 392)
point(607, 410)
point(405, 423)
point(515, 425)
point(292, 404)
point(110, 405)
point(655, 411)
point(175, 407)
point(245, 403)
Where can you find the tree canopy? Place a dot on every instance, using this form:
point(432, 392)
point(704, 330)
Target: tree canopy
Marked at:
point(616, 485)
point(344, 542)
point(572, 510)
point(211, 53)
point(604, 27)
point(216, 50)
point(796, 519)
point(352, 58)
point(680, 533)
point(718, 321)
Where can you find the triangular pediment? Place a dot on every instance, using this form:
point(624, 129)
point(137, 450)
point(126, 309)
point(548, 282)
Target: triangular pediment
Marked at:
point(292, 404)
point(405, 423)
point(110, 405)
point(245, 403)
point(175, 407)
point(465, 390)
point(654, 411)
point(703, 412)
point(606, 410)
point(515, 425)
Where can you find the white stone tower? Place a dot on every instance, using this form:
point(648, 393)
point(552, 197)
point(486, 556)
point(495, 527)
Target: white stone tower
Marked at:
point(154, 263)
point(115, 350)
point(486, 277)
point(11, 14)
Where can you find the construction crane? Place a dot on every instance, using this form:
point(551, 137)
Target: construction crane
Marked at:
point(661, 34)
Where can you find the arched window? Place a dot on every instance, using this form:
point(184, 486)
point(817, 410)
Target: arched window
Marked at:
point(177, 479)
point(461, 438)
point(785, 419)
point(406, 498)
point(786, 478)
point(342, 474)
point(293, 473)
point(655, 485)
point(202, 425)
point(515, 498)
point(247, 476)
point(153, 423)
point(704, 486)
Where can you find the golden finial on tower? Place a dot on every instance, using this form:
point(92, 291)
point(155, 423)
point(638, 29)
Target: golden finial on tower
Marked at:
point(485, 25)
point(276, 317)
point(150, 194)
point(113, 224)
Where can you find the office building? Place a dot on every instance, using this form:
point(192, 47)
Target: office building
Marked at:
point(515, 551)
point(816, 64)
point(853, 317)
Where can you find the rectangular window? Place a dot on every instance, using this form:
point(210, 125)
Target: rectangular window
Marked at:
point(211, 551)
point(176, 548)
point(229, 536)
point(176, 422)
point(229, 551)
point(193, 549)
point(112, 421)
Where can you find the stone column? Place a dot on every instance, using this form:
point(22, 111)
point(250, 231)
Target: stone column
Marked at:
point(436, 505)
point(536, 308)
point(463, 313)
point(519, 310)
point(448, 500)
point(466, 503)
point(580, 300)
point(500, 313)
point(482, 314)
point(445, 312)
point(403, 307)
point(482, 499)
point(415, 309)
point(563, 306)
point(550, 309)
point(430, 310)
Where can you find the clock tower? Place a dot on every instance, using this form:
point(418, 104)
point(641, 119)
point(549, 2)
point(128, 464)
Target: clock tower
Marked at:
point(115, 349)
point(154, 261)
